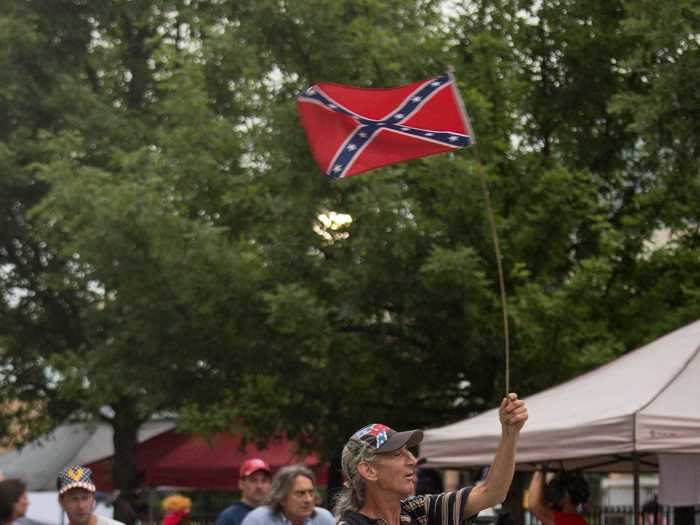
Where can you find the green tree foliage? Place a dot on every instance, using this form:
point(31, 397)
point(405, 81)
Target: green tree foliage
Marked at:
point(167, 243)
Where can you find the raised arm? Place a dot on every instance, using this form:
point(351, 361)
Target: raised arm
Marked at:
point(493, 490)
point(535, 499)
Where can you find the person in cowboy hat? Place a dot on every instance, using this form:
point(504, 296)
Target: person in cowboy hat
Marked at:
point(381, 477)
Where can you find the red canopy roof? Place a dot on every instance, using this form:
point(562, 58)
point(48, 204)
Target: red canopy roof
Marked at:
point(183, 460)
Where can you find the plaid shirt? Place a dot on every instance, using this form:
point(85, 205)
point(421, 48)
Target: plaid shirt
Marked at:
point(429, 509)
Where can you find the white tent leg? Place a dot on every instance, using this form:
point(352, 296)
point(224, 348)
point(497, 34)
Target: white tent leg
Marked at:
point(635, 463)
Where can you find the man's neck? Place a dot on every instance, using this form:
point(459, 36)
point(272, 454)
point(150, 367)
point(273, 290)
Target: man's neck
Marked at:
point(248, 502)
point(384, 506)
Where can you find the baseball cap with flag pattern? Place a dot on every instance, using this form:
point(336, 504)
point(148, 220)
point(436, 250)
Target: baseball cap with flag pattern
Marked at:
point(75, 477)
point(383, 439)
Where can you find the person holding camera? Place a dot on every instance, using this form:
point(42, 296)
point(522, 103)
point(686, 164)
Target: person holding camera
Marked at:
point(558, 501)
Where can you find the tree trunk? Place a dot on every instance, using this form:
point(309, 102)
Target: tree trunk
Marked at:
point(125, 474)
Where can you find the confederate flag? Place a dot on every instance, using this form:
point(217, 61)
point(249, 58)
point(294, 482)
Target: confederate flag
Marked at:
point(352, 130)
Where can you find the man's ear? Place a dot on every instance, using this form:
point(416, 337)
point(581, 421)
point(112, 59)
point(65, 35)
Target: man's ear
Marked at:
point(367, 471)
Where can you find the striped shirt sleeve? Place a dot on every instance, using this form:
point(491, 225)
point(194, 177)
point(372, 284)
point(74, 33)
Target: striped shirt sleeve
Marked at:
point(438, 509)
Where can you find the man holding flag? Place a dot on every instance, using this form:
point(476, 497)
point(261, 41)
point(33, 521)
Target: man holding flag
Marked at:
point(381, 477)
point(352, 130)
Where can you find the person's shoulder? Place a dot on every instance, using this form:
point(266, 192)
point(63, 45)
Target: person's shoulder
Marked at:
point(419, 504)
point(421, 498)
point(354, 518)
point(233, 506)
point(262, 510)
point(324, 515)
point(102, 520)
point(27, 521)
point(412, 502)
point(234, 513)
point(258, 514)
point(226, 514)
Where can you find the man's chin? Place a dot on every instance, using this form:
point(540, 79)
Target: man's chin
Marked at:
point(410, 492)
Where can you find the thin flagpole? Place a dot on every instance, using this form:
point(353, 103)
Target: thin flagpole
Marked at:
point(499, 263)
point(492, 221)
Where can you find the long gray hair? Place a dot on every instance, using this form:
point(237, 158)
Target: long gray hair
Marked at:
point(352, 496)
point(282, 484)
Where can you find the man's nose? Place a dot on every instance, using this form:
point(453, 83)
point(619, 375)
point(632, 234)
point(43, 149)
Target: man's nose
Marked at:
point(411, 458)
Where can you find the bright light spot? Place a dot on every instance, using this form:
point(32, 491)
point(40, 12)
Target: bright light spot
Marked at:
point(329, 222)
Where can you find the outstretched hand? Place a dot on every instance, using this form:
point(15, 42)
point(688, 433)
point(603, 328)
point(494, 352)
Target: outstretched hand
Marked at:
point(512, 412)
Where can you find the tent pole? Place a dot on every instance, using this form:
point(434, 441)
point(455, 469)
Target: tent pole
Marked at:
point(635, 463)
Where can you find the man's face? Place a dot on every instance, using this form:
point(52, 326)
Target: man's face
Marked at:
point(301, 500)
point(396, 472)
point(255, 487)
point(21, 505)
point(78, 504)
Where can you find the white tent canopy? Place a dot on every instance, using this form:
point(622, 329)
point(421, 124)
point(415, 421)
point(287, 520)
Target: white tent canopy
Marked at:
point(39, 462)
point(643, 403)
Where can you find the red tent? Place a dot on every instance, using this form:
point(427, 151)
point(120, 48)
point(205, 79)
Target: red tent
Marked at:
point(183, 460)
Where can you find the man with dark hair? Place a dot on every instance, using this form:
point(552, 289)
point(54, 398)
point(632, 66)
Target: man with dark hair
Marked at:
point(13, 500)
point(76, 495)
point(292, 501)
point(254, 482)
point(381, 477)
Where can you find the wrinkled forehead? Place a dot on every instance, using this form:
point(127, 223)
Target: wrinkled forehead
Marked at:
point(302, 483)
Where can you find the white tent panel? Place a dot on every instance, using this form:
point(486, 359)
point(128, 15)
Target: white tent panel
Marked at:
point(101, 442)
point(39, 462)
point(643, 401)
point(33, 462)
